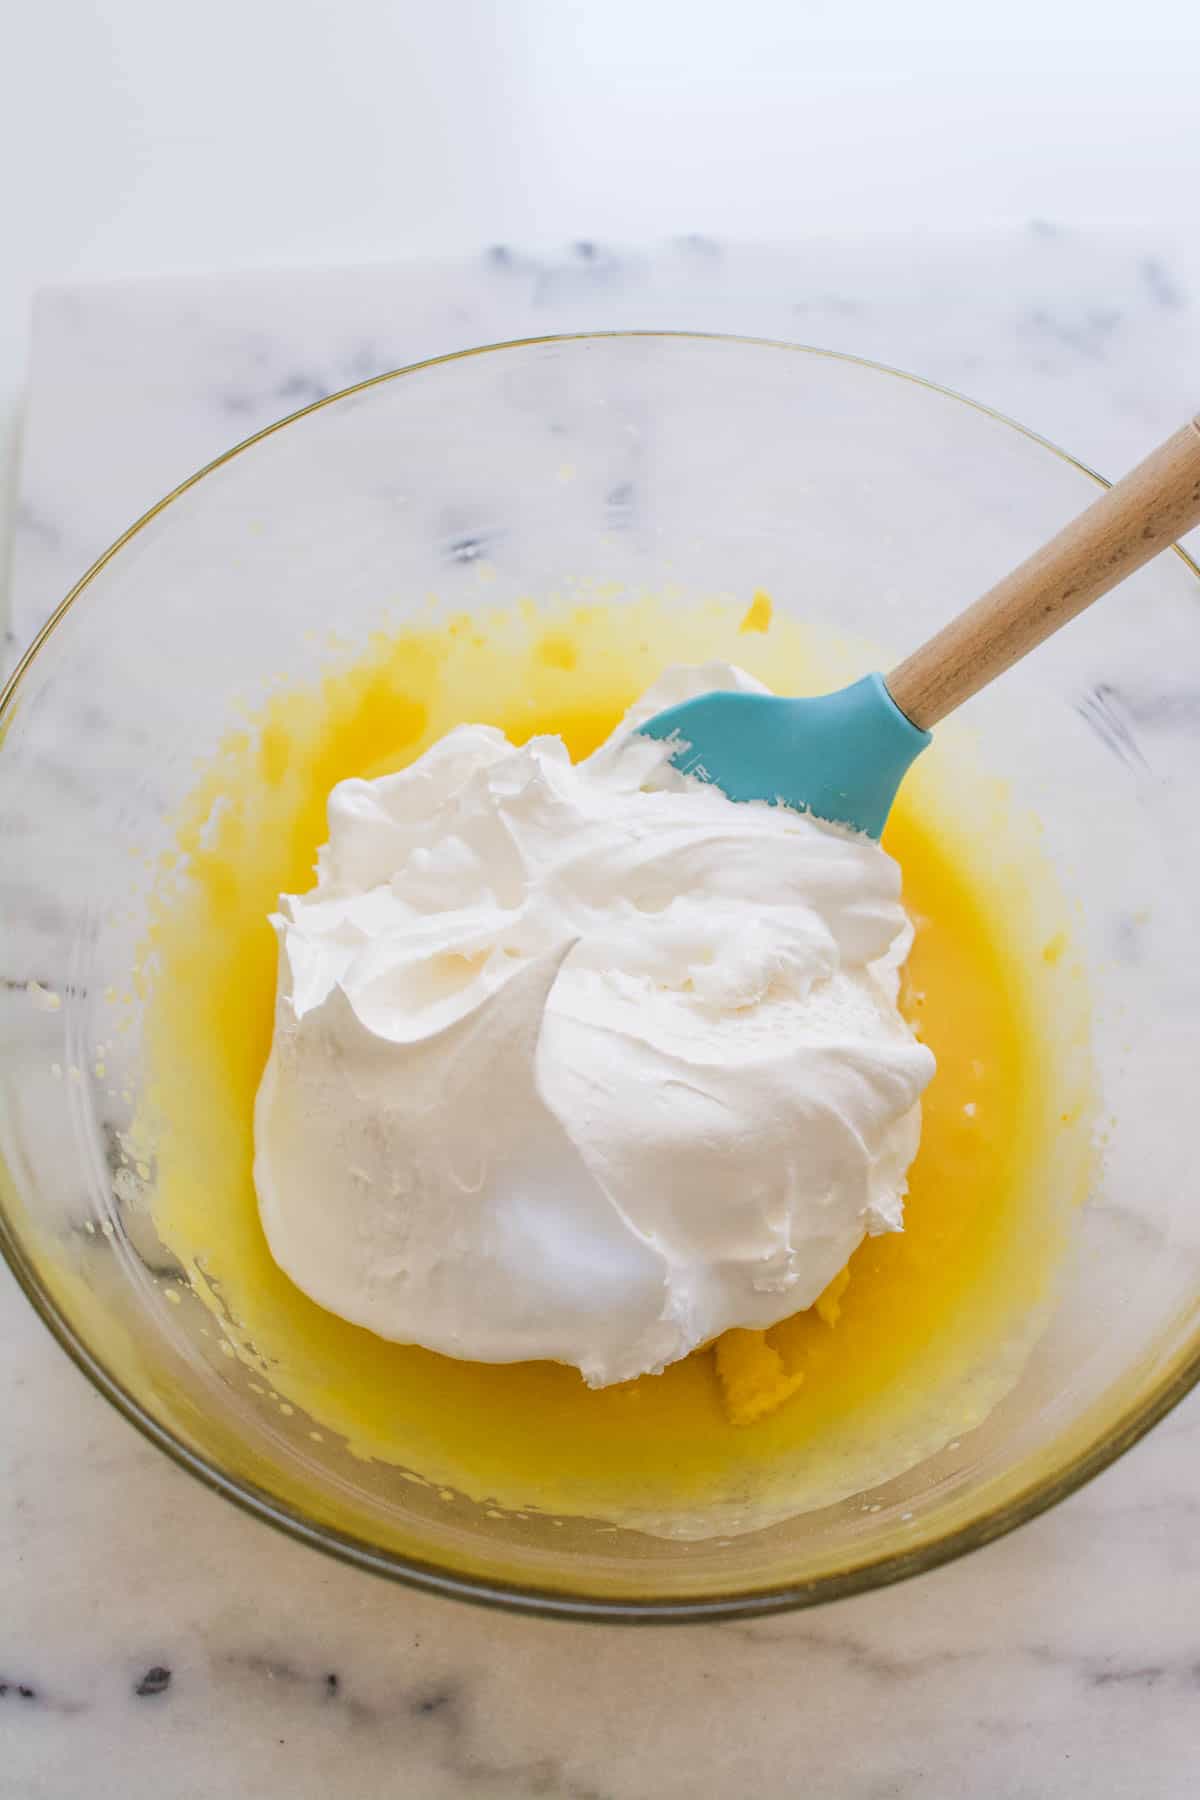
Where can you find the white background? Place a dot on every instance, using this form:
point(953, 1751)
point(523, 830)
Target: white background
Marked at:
point(146, 137)
point(138, 137)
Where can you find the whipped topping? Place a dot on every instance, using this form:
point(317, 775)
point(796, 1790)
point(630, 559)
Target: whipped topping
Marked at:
point(583, 1061)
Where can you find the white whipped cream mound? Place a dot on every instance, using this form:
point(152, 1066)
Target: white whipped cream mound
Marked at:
point(583, 1061)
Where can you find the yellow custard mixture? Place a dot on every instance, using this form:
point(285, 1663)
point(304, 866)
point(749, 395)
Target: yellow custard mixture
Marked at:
point(913, 1346)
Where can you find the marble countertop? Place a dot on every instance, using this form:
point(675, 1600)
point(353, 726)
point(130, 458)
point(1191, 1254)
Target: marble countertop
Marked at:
point(154, 1641)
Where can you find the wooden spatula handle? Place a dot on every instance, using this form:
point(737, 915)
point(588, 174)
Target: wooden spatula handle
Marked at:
point(1144, 513)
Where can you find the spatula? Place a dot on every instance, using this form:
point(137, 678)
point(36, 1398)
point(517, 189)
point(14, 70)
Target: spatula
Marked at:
point(842, 756)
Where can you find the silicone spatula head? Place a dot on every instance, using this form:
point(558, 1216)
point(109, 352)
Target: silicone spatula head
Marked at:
point(841, 756)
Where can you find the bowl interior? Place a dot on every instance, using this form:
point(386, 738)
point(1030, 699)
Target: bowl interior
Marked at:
point(861, 499)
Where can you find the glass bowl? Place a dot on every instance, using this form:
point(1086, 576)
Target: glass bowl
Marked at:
point(875, 503)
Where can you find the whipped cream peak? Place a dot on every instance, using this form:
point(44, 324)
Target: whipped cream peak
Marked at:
point(583, 1061)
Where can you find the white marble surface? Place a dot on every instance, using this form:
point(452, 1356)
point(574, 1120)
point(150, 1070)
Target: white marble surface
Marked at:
point(144, 139)
point(1064, 1660)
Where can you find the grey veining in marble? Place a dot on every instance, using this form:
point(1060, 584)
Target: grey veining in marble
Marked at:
point(155, 1642)
point(136, 385)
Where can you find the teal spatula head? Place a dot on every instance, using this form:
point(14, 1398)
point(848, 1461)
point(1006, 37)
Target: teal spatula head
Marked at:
point(841, 756)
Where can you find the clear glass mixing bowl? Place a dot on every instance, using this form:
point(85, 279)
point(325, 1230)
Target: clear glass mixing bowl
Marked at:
point(866, 499)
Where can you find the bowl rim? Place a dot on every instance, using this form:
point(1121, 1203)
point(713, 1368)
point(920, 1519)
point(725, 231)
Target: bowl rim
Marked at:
point(858, 1576)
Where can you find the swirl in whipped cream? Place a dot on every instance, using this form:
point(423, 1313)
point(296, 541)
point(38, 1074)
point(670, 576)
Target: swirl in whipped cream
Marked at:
point(583, 1061)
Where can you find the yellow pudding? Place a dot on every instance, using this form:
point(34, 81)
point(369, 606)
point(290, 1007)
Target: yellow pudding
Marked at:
point(930, 1326)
